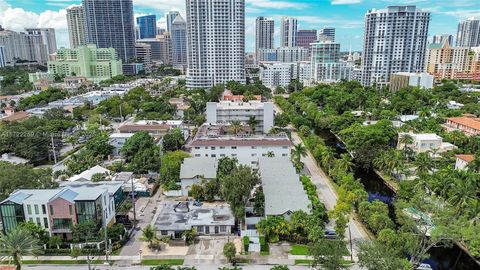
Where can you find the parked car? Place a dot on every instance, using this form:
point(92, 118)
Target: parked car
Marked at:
point(424, 266)
point(330, 234)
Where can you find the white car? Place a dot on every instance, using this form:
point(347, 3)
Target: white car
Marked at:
point(424, 266)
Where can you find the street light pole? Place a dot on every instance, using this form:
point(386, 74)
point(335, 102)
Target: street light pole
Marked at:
point(351, 245)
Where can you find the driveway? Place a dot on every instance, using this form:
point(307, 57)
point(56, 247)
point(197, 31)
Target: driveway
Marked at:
point(207, 250)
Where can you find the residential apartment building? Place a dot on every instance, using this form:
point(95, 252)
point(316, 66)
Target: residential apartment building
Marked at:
point(447, 62)
point(305, 38)
point(283, 54)
point(216, 42)
point(225, 112)
point(403, 79)
point(23, 46)
point(468, 33)
point(326, 64)
point(395, 40)
point(217, 141)
point(462, 161)
point(469, 125)
point(288, 32)
point(117, 141)
point(273, 74)
point(161, 47)
point(179, 43)
point(109, 24)
point(48, 37)
point(76, 27)
point(441, 38)
point(169, 18)
point(196, 170)
point(264, 34)
point(147, 26)
point(3, 57)
point(87, 61)
point(326, 34)
point(58, 210)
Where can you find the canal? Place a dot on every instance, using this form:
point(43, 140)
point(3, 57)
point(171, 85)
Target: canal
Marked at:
point(441, 258)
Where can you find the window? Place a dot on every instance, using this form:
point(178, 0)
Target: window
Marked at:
point(44, 209)
point(254, 155)
point(222, 147)
point(197, 155)
point(234, 155)
point(51, 210)
point(45, 222)
point(222, 155)
point(38, 222)
point(163, 232)
point(36, 210)
point(70, 209)
point(213, 155)
point(284, 155)
point(30, 219)
point(62, 223)
point(234, 147)
point(29, 209)
point(197, 147)
point(200, 229)
point(213, 147)
point(254, 147)
point(223, 228)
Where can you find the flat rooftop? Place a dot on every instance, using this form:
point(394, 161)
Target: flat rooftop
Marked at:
point(181, 216)
point(217, 135)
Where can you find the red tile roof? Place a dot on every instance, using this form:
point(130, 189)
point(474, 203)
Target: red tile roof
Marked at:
point(473, 123)
point(18, 116)
point(467, 158)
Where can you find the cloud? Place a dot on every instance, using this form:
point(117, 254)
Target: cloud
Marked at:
point(272, 4)
point(462, 13)
point(345, 2)
point(9, 19)
point(162, 5)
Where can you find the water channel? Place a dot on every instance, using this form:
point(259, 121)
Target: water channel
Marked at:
point(441, 258)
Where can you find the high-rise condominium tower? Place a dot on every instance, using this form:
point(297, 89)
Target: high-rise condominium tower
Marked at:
point(288, 32)
point(170, 17)
point(395, 41)
point(327, 34)
point(76, 27)
point(468, 33)
point(109, 24)
point(147, 26)
point(179, 42)
point(437, 39)
point(264, 37)
point(216, 42)
point(48, 37)
point(306, 37)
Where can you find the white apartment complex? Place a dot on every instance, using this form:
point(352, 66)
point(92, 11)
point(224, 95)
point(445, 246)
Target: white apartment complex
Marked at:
point(326, 64)
point(273, 74)
point(215, 141)
point(395, 41)
point(288, 32)
point(76, 27)
point(425, 142)
point(216, 42)
point(283, 54)
point(225, 112)
point(402, 79)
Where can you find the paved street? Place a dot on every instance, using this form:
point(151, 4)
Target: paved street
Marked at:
point(146, 209)
point(200, 267)
point(326, 192)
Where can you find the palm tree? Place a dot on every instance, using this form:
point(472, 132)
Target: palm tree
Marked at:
point(270, 154)
point(148, 234)
point(474, 165)
point(406, 140)
point(389, 162)
point(235, 127)
point(252, 122)
point(298, 152)
point(424, 164)
point(345, 162)
point(463, 194)
point(327, 158)
point(18, 243)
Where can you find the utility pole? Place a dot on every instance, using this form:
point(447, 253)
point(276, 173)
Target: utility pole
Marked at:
point(133, 203)
point(106, 236)
point(53, 147)
point(351, 245)
point(120, 111)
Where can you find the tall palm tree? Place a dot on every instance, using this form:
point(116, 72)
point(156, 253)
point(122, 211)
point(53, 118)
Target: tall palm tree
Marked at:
point(345, 162)
point(327, 158)
point(270, 154)
point(424, 164)
point(148, 234)
point(406, 140)
point(298, 152)
point(463, 194)
point(252, 122)
point(18, 243)
point(235, 127)
point(474, 165)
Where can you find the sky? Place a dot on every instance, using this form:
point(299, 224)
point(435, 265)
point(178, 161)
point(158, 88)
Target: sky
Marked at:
point(347, 16)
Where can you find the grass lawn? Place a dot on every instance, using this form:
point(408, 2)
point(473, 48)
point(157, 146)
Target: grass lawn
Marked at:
point(307, 262)
point(163, 261)
point(299, 250)
point(264, 253)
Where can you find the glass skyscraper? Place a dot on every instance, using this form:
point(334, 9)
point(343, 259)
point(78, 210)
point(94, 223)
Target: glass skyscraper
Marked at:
point(110, 24)
point(147, 26)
